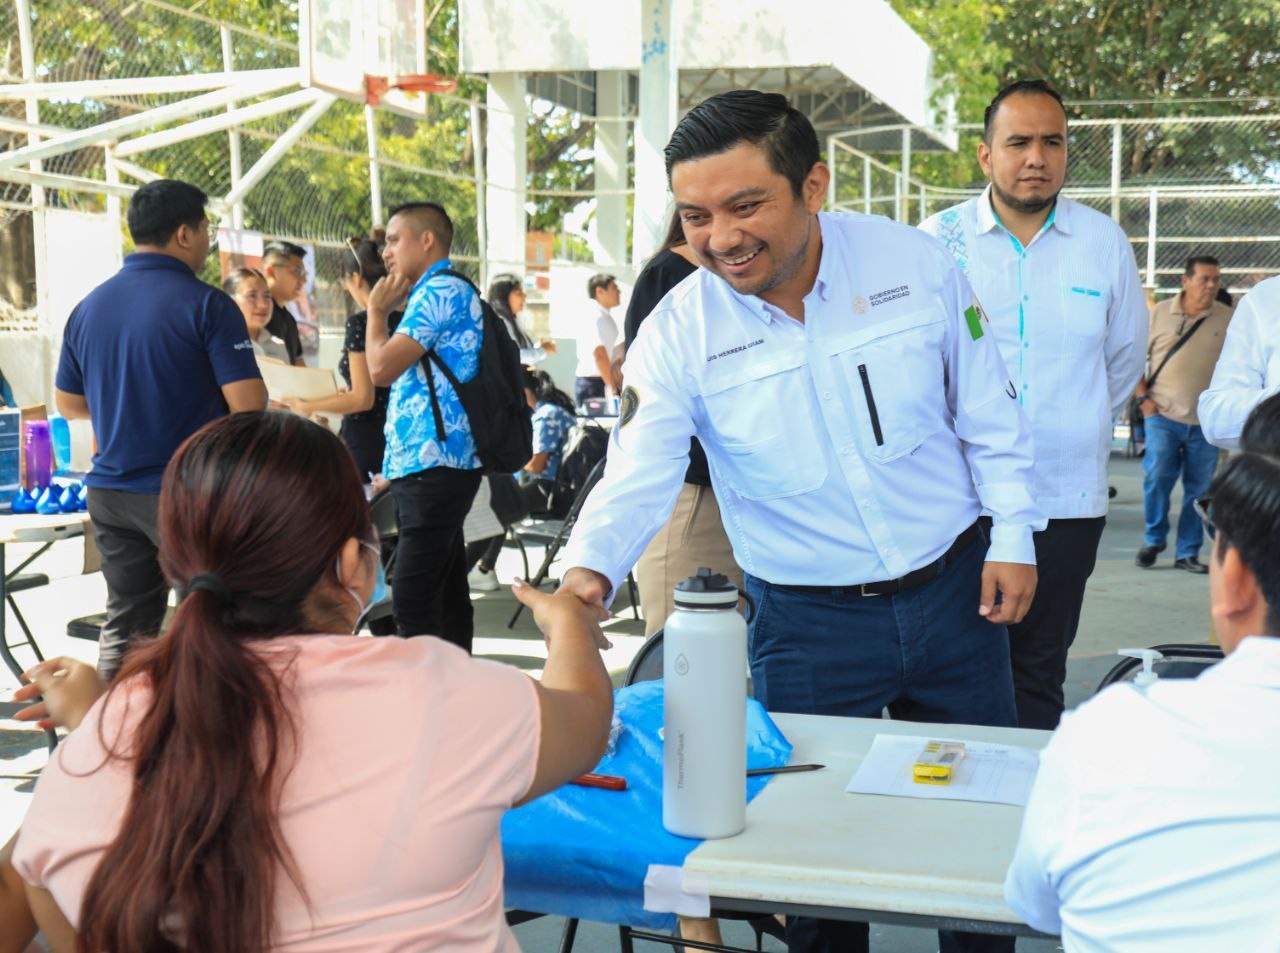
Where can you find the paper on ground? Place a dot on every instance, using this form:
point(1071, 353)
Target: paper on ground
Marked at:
point(999, 774)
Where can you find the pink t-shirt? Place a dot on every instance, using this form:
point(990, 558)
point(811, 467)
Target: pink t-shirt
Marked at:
point(410, 752)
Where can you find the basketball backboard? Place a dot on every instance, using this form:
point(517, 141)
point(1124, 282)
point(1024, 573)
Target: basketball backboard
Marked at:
point(342, 41)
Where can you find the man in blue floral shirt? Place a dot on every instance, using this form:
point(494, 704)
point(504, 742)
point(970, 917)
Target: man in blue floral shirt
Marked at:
point(434, 476)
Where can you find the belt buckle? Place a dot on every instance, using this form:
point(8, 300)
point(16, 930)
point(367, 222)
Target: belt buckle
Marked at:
point(862, 589)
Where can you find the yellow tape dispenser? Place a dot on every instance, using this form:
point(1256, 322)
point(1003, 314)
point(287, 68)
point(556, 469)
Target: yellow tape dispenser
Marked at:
point(936, 762)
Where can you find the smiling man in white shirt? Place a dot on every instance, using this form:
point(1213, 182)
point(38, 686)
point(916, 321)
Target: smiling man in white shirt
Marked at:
point(1061, 286)
point(857, 419)
point(1153, 826)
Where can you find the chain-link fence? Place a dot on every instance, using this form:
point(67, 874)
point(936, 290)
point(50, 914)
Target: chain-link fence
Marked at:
point(319, 193)
point(1178, 187)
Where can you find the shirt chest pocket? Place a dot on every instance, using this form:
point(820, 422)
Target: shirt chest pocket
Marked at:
point(896, 385)
point(763, 439)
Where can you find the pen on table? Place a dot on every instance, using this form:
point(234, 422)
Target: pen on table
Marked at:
point(785, 769)
point(607, 781)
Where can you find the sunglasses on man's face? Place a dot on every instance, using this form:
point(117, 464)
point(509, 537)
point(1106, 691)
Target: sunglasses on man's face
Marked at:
point(1202, 508)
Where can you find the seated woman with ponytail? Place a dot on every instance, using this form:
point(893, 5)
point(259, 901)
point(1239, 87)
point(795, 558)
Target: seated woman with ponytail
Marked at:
point(258, 778)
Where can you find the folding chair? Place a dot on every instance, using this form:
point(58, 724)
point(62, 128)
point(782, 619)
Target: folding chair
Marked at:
point(553, 533)
point(382, 508)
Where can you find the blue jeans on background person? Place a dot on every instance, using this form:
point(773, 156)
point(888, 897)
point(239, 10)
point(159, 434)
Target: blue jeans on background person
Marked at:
point(924, 654)
point(1175, 450)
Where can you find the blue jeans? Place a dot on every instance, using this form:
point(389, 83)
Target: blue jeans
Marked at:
point(925, 654)
point(1174, 450)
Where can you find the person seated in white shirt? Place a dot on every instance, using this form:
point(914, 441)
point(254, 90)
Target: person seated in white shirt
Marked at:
point(1248, 369)
point(1154, 822)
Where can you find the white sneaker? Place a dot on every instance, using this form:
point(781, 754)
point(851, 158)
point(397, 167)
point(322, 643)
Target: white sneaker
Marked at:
point(483, 581)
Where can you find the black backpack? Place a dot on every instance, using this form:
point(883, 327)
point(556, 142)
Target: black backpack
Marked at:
point(500, 418)
point(584, 447)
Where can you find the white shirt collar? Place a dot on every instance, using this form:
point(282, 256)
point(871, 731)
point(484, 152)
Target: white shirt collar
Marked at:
point(987, 220)
point(822, 283)
point(1255, 661)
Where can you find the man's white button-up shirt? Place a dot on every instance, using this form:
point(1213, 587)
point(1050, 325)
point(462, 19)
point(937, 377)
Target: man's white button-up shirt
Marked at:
point(1071, 321)
point(1248, 370)
point(851, 448)
point(1154, 823)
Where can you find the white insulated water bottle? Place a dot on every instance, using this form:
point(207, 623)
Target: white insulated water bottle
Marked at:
point(704, 662)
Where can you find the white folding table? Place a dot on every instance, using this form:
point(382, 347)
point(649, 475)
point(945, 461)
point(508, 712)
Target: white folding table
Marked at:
point(810, 849)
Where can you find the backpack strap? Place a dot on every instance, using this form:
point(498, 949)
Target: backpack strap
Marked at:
point(431, 357)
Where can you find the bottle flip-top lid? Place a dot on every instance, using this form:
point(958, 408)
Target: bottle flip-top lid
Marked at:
point(706, 589)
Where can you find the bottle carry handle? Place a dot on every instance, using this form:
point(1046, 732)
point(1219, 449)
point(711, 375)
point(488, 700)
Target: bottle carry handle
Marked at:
point(751, 604)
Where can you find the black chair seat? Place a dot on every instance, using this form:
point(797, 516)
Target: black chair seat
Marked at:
point(542, 531)
point(26, 580)
point(87, 626)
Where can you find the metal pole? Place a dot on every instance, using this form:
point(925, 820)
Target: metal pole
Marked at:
point(230, 120)
point(27, 49)
point(897, 197)
point(233, 134)
point(1153, 208)
point(924, 212)
point(905, 191)
point(127, 125)
point(831, 183)
point(279, 148)
point(112, 174)
point(866, 184)
point(1116, 148)
point(375, 170)
point(482, 185)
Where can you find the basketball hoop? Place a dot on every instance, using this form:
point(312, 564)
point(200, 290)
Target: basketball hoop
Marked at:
point(375, 87)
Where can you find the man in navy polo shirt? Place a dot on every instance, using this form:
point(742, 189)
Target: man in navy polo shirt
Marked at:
point(150, 356)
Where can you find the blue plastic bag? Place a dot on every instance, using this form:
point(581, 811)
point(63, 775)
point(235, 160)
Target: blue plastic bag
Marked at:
point(584, 852)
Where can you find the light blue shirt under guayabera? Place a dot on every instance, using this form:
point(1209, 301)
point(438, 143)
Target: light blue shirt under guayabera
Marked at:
point(1069, 315)
point(442, 313)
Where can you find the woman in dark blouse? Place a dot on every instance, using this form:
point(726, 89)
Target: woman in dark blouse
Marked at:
point(363, 406)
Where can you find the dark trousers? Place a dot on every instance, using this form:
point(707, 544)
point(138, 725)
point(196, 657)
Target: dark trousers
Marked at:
point(587, 387)
point(364, 438)
point(429, 593)
point(1066, 551)
point(924, 654)
point(524, 498)
point(124, 527)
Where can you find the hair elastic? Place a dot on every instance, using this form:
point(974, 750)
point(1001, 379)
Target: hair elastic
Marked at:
point(211, 582)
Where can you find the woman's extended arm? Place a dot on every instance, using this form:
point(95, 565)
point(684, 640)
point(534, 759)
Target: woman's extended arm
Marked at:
point(575, 695)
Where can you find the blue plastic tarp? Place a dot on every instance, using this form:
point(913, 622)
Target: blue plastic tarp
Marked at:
point(583, 852)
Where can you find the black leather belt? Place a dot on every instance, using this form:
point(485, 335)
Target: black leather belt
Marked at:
point(913, 579)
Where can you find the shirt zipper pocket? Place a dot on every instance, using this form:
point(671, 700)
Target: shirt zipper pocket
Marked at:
point(871, 404)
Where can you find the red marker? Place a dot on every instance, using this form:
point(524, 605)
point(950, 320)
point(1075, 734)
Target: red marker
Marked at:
point(607, 781)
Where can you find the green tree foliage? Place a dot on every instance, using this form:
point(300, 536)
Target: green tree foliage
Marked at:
point(1160, 58)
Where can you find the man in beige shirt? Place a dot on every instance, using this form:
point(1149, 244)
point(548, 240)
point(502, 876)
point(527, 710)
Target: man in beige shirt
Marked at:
point(1171, 388)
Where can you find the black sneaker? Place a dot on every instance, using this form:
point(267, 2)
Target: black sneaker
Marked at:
point(1191, 564)
point(1146, 557)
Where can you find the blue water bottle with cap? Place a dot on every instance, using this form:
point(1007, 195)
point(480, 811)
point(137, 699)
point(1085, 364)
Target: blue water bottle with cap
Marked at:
point(704, 660)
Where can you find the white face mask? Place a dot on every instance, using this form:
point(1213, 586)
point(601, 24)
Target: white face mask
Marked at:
point(379, 588)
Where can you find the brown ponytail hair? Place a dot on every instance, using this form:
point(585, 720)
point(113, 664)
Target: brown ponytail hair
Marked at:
point(254, 509)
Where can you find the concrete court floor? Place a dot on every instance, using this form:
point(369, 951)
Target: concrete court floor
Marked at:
point(1125, 606)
